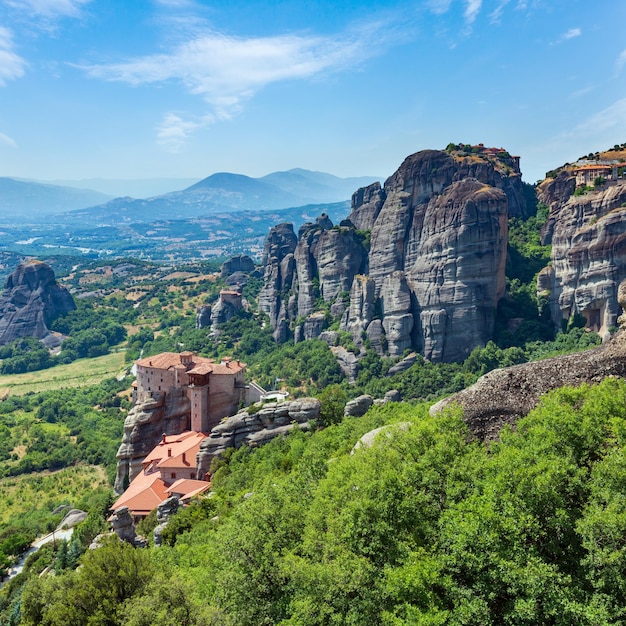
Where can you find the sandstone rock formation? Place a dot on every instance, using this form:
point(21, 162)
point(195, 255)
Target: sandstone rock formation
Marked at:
point(31, 300)
point(434, 272)
point(143, 428)
point(588, 259)
point(253, 429)
point(279, 277)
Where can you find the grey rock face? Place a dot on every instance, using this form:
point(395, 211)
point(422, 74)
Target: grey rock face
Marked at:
point(347, 361)
point(359, 406)
point(143, 428)
point(458, 274)
point(366, 205)
point(238, 263)
point(124, 527)
point(165, 510)
point(397, 313)
point(272, 420)
point(402, 366)
point(361, 310)
point(203, 316)
point(279, 275)
point(588, 236)
point(340, 256)
point(31, 300)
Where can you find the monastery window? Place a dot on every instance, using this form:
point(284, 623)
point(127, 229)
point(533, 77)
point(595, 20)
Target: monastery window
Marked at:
point(192, 475)
point(173, 475)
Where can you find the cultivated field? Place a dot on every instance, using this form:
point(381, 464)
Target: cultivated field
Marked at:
point(77, 374)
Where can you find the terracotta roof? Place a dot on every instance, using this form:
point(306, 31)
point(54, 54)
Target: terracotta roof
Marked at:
point(143, 495)
point(168, 453)
point(186, 488)
point(202, 368)
point(167, 360)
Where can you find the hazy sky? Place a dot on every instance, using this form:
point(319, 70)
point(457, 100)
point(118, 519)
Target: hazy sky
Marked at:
point(142, 89)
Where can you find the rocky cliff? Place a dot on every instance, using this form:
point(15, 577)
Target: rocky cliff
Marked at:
point(588, 259)
point(144, 426)
point(422, 258)
point(31, 300)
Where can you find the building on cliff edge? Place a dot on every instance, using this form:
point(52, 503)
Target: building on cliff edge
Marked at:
point(215, 390)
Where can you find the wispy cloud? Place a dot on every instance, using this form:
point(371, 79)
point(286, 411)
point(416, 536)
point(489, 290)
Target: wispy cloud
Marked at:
point(5, 139)
point(611, 119)
point(49, 8)
point(620, 62)
point(572, 33)
point(174, 131)
point(472, 9)
point(225, 71)
point(11, 64)
point(439, 7)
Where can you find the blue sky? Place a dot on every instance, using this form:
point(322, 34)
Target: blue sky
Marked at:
point(179, 88)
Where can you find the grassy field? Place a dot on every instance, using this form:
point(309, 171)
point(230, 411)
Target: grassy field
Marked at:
point(46, 490)
point(77, 374)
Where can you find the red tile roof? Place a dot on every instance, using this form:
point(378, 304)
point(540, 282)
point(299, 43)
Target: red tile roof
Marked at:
point(167, 360)
point(186, 488)
point(168, 453)
point(143, 495)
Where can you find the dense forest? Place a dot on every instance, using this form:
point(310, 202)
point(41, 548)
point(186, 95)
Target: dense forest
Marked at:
point(426, 526)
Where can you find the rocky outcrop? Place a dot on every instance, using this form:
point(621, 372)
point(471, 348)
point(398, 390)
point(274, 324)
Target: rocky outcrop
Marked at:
point(279, 276)
point(203, 316)
point(31, 300)
point(588, 258)
point(361, 311)
point(165, 511)
point(505, 395)
point(348, 362)
point(311, 328)
point(457, 277)
point(398, 319)
point(359, 406)
point(246, 428)
point(124, 527)
point(226, 306)
point(238, 263)
point(434, 272)
point(144, 426)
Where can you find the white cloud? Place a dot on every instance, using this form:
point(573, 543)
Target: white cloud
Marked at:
point(225, 70)
point(620, 62)
point(49, 8)
point(11, 64)
point(571, 33)
point(605, 126)
point(173, 131)
point(472, 9)
point(7, 140)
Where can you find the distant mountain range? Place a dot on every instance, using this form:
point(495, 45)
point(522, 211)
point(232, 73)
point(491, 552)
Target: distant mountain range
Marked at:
point(20, 199)
point(232, 193)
